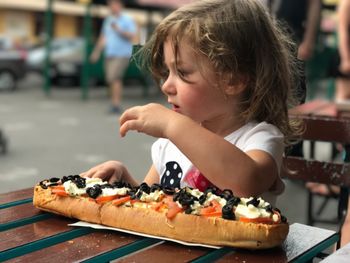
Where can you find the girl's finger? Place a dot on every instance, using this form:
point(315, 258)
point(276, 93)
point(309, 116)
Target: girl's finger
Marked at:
point(100, 174)
point(129, 114)
point(129, 125)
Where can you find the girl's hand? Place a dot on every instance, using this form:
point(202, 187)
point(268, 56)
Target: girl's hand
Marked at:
point(110, 171)
point(345, 66)
point(152, 119)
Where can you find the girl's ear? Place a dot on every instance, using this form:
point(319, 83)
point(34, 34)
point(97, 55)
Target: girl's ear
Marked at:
point(234, 89)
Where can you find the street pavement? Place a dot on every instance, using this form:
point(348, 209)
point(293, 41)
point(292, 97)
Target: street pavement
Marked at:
point(62, 134)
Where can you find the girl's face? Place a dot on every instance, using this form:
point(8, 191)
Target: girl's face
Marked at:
point(199, 98)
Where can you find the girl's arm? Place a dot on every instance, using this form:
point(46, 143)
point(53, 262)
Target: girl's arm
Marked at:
point(225, 165)
point(246, 173)
point(307, 44)
point(152, 176)
point(344, 35)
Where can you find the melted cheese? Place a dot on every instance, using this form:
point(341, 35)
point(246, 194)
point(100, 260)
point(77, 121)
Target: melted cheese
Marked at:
point(250, 211)
point(115, 191)
point(211, 197)
point(72, 189)
point(152, 197)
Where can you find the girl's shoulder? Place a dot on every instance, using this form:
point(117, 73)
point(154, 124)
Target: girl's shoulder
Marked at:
point(254, 127)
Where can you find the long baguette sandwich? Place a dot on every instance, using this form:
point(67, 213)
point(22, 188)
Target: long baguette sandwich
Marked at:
point(210, 217)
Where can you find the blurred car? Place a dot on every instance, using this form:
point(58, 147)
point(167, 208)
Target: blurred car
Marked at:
point(66, 57)
point(12, 64)
point(66, 60)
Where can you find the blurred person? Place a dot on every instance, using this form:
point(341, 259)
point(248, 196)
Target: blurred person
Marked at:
point(343, 79)
point(228, 98)
point(118, 31)
point(343, 84)
point(342, 93)
point(302, 18)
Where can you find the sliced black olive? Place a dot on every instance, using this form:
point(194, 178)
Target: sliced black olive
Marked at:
point(268, 208)
point(132, 193)
point(156, 187)
point(202, 199)
point(127, 185)
point(103, 186)
point(119, 184)
point(176, 196)
point(53, 184)
point(139, 194)
point(227, 194)
point(54, 179)
point(276, 209)
point(64, 179)
point(93, 192)
point(255, 202)
point(43, 185)
point(168, 190)
point(97, 186)
point(234, 201)
point(186, 199)
point(227, 212)
point(80, 182)
point(145, 188)
point(211, 189)
point(188, 210)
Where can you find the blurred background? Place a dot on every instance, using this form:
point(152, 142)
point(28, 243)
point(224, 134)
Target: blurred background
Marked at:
point(53, 102)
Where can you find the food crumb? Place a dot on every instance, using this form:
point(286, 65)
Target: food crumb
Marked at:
point(70, 241)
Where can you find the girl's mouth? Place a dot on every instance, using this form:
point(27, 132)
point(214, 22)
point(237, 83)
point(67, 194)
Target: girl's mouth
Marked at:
point(175, 108)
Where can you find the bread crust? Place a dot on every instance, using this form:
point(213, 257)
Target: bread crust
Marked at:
point(190, 228)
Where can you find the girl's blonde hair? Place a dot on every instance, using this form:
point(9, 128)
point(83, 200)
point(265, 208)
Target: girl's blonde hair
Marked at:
point(242, 43)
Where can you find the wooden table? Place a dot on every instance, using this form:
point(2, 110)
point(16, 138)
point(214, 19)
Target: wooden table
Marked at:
point(29, 235)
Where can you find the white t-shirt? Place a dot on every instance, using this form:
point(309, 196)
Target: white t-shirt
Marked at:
point(176, 170)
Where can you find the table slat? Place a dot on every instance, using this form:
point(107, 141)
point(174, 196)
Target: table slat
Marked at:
point(18, 212)
point(173, 252)
point(26, 234)
point(24, 221)
point(125, 250)
point(16, 195)
point(80, 248)
point(213, 255)
point(43, 243)
point(313, 241)
point(15, 203)
point(278, 255)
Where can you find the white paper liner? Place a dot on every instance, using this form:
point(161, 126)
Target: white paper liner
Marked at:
point(97, 226)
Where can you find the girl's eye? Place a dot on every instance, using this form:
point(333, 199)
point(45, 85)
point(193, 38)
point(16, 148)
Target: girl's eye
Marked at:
point(165, 73)
point(182, 73)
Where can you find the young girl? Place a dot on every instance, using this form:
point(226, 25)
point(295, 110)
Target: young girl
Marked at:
point(226, 70)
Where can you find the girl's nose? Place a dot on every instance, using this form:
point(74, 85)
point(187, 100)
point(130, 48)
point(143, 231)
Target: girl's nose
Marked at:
point(168, 87)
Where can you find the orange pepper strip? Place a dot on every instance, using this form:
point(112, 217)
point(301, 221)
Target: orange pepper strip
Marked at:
point(121, 200)
point(157, 206)
point(213, 210)
point(173, 210)
point(207, 210)
point(104, 199)
point(217, 214)
point(59, 190)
